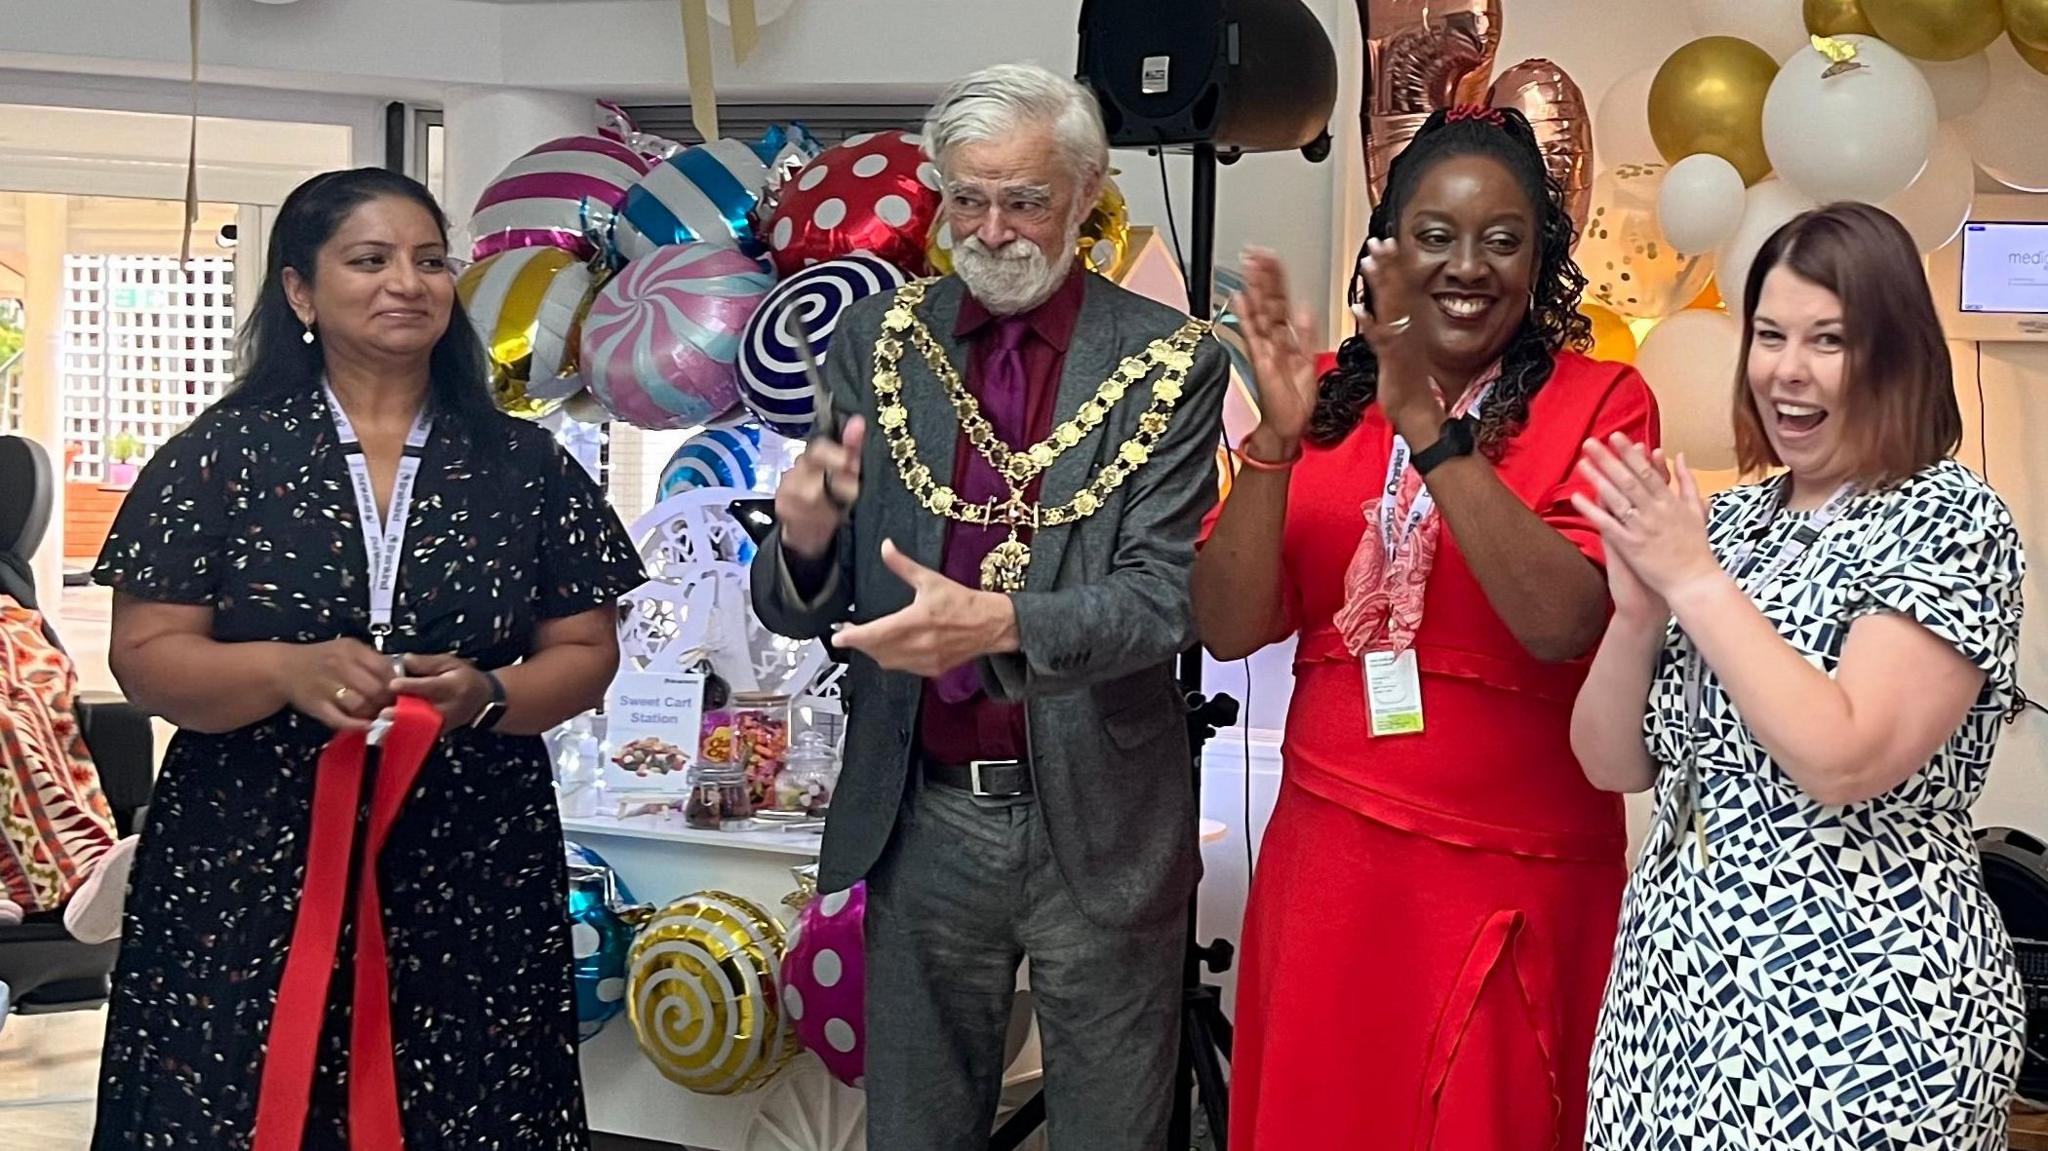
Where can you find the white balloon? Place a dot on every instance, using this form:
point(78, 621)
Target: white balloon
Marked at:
point(1776, 26)
point(1621, 125)
point(2004, 133)
point(1959, 86)
point(1689, 359)
point(1700, 204)
point(1768, 205)
point(1863, 134)
point(1937, 204)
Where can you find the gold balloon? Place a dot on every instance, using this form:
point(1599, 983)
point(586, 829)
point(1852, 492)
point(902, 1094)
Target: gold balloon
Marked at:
point(1709, 97)
point(1837, 18)
point(704, 993)
point(528, 304)
point(2026, 21)
point(1612, 339)
point(1105, 235)
point(1936, 29)
point(2036, 58)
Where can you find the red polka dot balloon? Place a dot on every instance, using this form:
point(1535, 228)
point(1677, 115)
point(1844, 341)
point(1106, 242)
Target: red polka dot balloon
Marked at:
point(877, 193)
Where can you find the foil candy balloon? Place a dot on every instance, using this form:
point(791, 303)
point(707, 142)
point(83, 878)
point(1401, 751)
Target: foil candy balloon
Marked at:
point(703, 992)
point(529, 304)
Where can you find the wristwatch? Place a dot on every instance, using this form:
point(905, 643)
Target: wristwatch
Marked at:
point(1459, 437)
point(494, 710)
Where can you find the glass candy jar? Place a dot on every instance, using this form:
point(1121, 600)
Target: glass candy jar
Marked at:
point(808, 777)
point(718, 797)
point(760, 736)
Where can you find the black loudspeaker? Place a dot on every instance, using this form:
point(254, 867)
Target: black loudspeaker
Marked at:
point(1243, 75)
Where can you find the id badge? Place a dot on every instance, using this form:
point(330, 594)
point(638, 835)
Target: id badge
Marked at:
point(1393, 692)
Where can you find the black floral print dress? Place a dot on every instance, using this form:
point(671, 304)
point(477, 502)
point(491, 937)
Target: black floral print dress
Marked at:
point(250, 511)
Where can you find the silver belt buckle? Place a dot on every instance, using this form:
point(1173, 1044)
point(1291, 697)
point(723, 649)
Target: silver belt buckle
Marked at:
point(974, 767)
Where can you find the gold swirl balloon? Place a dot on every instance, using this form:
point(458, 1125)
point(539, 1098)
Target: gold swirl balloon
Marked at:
point(1419, 57)
point(1105, 235)
point(1709, 97)
point(528, 304)
point(704, 994)
point(1837, 18)
point(1936, 29)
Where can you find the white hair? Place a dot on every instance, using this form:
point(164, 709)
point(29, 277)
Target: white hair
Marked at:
point(996, 101)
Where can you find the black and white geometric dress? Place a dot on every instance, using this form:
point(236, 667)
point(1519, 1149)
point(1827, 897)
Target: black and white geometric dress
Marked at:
point(1832, 977)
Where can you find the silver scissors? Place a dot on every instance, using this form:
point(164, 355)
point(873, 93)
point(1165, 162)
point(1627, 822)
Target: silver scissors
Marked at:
point(794, 330)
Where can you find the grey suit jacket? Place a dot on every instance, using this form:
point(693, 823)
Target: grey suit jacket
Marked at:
point(1104, 613)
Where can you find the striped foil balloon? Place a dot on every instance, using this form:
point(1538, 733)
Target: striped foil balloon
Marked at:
point(660, 342)
point(703, 991)
point(715, 458)
point(538, 200)
point(704, 194)
point(528, 304)
point(772, 381)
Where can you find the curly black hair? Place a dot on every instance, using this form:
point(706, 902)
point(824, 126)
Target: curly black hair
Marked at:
point(1551, 325)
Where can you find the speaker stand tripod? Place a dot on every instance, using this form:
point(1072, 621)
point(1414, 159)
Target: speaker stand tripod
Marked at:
point(1205, 1032)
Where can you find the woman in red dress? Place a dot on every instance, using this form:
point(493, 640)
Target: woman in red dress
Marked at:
point(1434, 908)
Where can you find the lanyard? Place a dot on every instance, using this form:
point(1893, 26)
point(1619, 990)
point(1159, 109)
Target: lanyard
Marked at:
point(383, 543)
point(1392, 537)
point(1803, 539)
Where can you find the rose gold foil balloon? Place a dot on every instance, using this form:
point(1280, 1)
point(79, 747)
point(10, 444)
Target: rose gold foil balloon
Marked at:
point(1556, 109)
point(1419, 57)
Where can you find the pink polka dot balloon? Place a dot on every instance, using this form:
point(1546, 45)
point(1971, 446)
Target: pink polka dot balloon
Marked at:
point(877, 193)
point(661, 340)
point(824, 981)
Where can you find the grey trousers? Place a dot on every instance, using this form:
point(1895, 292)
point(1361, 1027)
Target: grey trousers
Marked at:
point(966, 890)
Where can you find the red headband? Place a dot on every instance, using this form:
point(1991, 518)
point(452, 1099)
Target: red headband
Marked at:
point(1475, 112)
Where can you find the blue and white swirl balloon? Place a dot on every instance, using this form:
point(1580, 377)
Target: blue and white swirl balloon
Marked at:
point(727, 457)
point(772, 382)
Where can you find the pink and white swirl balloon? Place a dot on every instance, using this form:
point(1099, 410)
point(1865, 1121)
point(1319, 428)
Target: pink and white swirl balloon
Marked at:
point(538, 200)
point(772, 380)
point(660, 342)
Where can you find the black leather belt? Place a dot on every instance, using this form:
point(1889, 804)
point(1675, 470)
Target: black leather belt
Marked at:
point(987, 778)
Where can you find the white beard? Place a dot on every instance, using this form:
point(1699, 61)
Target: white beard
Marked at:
point(1016, 277)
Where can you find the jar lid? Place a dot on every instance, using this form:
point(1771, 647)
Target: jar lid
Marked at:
point(758, 699)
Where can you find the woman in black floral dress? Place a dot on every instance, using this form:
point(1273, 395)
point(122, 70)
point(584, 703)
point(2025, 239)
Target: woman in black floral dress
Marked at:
point(245, 615)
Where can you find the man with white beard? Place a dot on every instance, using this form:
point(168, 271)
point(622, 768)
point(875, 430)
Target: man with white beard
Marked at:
point(997, 521)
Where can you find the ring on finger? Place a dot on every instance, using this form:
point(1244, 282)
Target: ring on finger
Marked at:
point(1628, 513)
point(341, 693)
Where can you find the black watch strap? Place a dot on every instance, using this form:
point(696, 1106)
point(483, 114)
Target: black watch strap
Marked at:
point(494, 710)
point(1459, 437)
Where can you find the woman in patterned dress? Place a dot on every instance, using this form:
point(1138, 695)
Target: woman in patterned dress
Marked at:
point(1812, 672)
point(244, 614)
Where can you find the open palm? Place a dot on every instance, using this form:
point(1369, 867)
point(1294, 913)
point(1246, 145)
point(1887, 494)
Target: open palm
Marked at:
point(1274, 332)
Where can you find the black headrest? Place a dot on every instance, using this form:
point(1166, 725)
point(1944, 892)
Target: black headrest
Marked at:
point(27, 488)
point(2016, 878)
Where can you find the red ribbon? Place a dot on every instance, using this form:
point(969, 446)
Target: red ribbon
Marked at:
point(286, 1090)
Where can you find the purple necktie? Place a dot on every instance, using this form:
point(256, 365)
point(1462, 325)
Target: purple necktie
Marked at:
point(1004, 395)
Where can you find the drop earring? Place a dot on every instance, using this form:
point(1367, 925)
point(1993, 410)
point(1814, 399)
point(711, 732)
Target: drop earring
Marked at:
point(308, 337)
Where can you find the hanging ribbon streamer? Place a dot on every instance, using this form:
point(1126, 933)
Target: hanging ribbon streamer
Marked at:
point(697, 58)
point(284, 1094)
point(191, 146)
point(746, 30)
